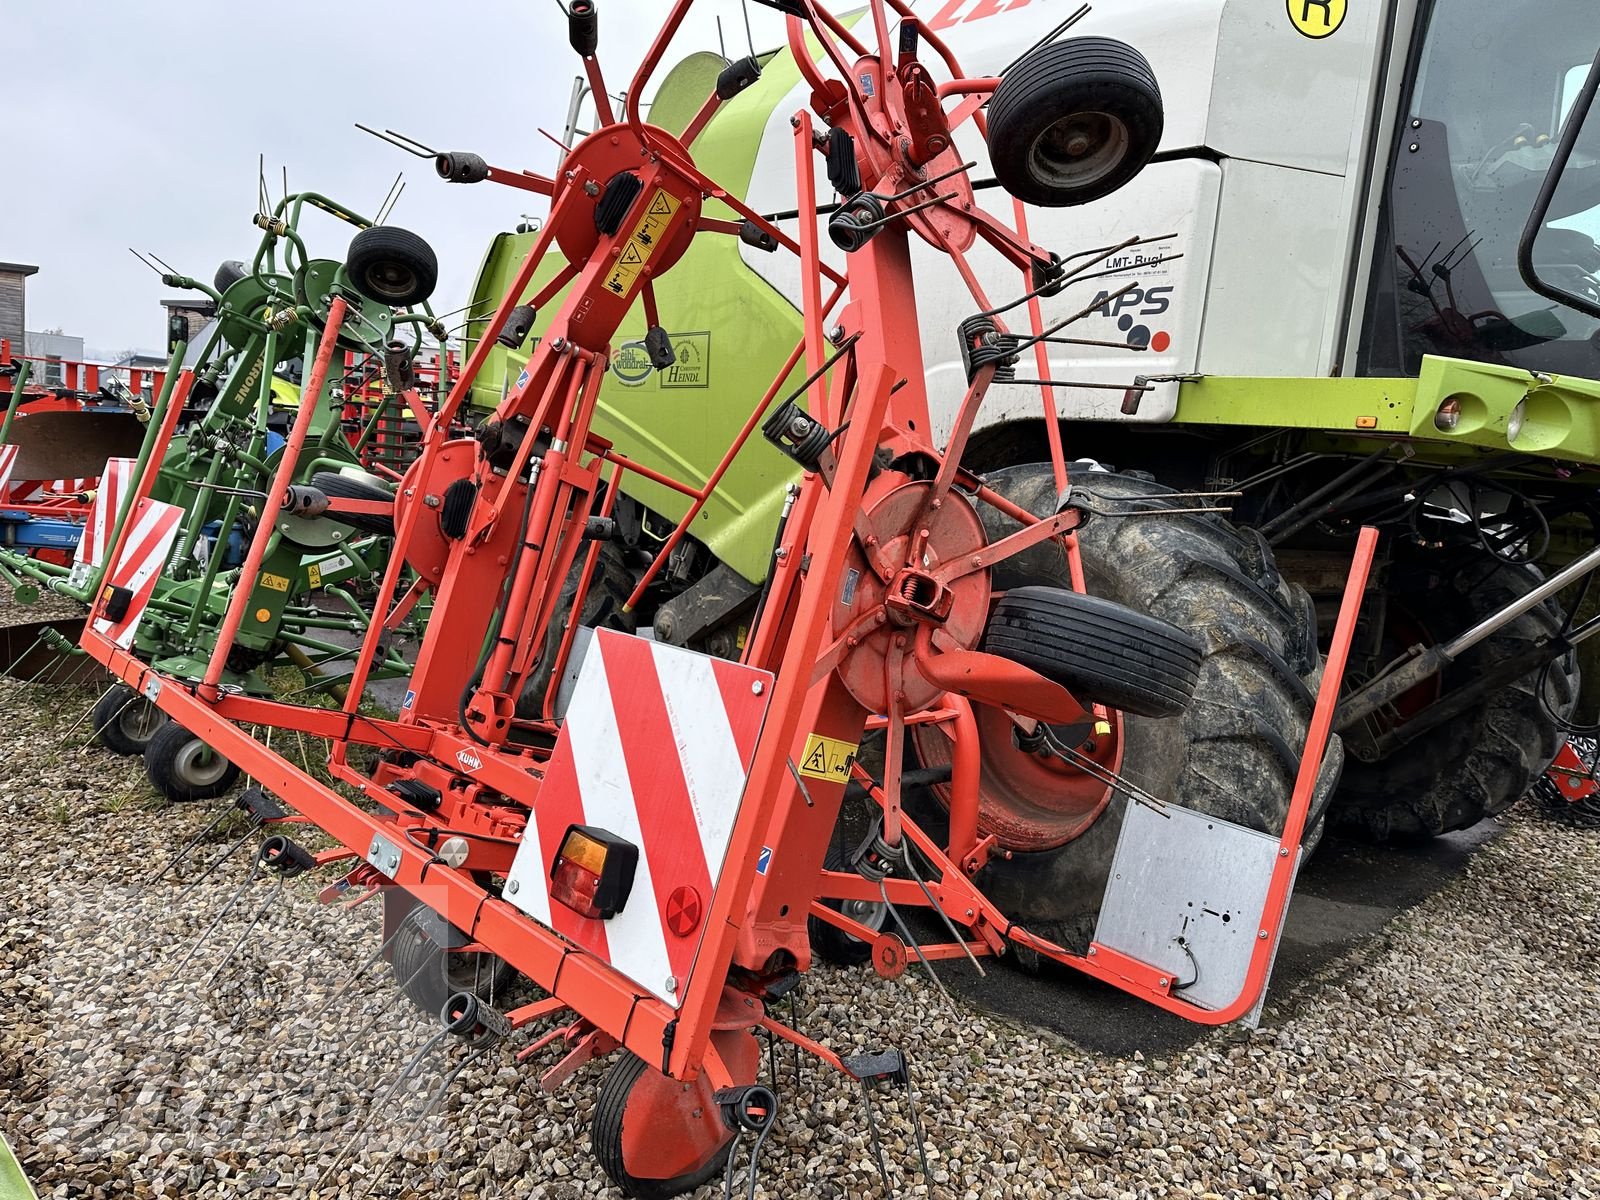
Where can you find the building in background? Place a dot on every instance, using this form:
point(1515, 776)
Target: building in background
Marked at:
point(13, 302)
point(186, 318)
point(53, 346)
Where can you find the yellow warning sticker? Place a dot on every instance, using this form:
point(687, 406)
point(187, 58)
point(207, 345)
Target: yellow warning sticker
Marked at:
point(277, 583)
point(642, 243)
point(1317, 19)
point(827, 758)
point(314, 575)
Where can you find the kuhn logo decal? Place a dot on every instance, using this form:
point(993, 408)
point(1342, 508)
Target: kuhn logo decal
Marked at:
point(468, 760)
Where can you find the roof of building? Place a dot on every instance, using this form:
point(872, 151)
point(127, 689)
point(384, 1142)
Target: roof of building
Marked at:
point(18, 268)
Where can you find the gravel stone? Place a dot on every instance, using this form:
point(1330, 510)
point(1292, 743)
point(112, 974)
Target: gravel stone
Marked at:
point(1455, 1055)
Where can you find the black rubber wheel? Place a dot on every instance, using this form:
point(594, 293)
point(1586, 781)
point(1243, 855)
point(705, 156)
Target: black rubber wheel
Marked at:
point(832, 944)
point(609, 589)
point(345, 487)
point(429, 974)
point(1073, 121)
point(183, 768)
point(124, 721)
point(228, 274)
point(392, 266)
point(1483, 760)
point(1232, 753)
point(606, 1135)
point(1100, 651)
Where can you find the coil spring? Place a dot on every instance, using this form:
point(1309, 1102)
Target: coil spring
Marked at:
point(982, 343)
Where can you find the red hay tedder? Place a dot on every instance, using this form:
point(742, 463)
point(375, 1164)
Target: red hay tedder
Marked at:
point(641, 830)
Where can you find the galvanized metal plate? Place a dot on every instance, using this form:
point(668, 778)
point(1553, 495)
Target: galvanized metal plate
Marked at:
point(1185, 895)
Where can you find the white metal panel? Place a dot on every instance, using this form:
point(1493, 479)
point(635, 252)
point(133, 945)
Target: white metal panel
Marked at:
point(1277, 263)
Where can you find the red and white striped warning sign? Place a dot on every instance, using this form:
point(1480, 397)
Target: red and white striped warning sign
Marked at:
point(8, 459)
point(99, 525)
point(144, 553)
point(656, 748)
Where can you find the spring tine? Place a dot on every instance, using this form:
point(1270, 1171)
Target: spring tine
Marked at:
point(945, 917)
point(401, 984)
point(916, 949)
point(916, 1127)
point(190, 845)
point(917, 187)
point(255, 870)
point(877, 1143)
point(388, 1094)
point(383, 948)
point(733, 1156)
point(249, 929)
point(86, 713)
point(226, 855)
point(13, 664)
point(427, 1110)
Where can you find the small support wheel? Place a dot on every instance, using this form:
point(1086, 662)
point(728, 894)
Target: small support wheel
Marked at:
point(430, 971)
point(834, 945)
point(655, 1136)
point(1073, 121)
point(392, 266)
point(183, 768)
point(124, 721)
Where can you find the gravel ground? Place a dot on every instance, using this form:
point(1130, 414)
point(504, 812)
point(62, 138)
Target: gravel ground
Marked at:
point(1455, 1055)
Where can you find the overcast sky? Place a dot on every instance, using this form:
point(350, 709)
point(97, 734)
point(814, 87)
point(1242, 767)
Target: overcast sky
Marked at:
point(139, 124)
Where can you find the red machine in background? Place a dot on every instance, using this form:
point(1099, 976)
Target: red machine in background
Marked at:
point(642, 830)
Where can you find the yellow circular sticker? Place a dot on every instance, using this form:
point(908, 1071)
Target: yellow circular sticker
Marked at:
point(1317, 18)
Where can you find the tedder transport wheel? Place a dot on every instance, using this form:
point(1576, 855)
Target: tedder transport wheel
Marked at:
point(656, 1137)
point(1103, 653)
point(430, 974)
point(1073, 121)
point(184, 768)
point(228, 274)
point(337, 485)
point(124, 721)
point(392, 266)
point(833, 944)
point(1483, 760)
point(1233, 752)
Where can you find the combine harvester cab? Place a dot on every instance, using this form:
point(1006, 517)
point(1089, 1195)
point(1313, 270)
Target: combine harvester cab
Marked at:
point(643, 830)
point(163, 542)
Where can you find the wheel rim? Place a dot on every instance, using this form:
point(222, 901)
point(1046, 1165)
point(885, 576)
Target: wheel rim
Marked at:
point(389, 280)
point(1029, 801)
point(198, 765)
point(1079, 149)
point(475, 973)
point(139, 720)
point(870, 913)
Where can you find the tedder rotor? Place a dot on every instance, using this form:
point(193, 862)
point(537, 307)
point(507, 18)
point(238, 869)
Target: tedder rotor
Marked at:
point(642, 830)
point(160, 548)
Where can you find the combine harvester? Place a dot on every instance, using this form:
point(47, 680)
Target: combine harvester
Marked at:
point(175, 518)
point(645, 831)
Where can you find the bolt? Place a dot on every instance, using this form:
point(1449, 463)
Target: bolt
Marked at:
point(1092, 952)
point(1262, 934)
point(430, 501)
point(1414, 147)
point(1164, 981)
point(977, 560)
point(1283, 852)
point(756, 688)
point(1416, 124)
point(671, 985)
point(591, 188)
point(376, 846)
point(836, 334)
point(513, 887)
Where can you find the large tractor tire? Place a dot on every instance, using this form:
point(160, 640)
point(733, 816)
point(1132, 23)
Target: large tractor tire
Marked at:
point(1233, 752)
point(1481, 762)
point(609, 589)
